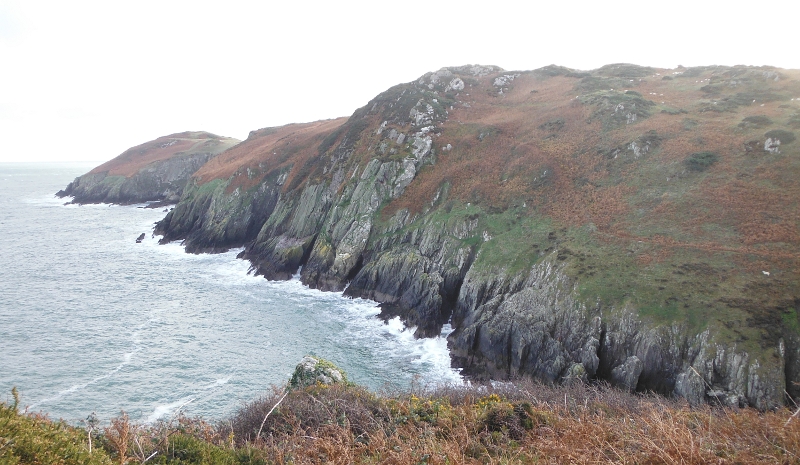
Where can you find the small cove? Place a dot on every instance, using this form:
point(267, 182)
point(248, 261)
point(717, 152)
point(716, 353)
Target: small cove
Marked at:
point(91, 321)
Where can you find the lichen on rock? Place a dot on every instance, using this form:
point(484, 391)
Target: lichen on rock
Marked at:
point(314, 370)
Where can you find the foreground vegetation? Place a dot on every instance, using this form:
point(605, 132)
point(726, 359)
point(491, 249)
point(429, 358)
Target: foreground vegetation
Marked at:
point(512, 423)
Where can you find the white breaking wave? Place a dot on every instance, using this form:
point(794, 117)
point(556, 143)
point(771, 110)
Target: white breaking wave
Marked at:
point(173, 408)
point(430, 355)
point(164, 410)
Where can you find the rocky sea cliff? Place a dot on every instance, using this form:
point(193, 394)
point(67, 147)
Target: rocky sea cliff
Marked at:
point(628, 224)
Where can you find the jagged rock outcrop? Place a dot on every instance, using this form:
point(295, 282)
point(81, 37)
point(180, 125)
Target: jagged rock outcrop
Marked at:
point(513, 325)
point(214, 221)
point(416, 269)
point(553, 217)
point(507, 326)
point(154, 171)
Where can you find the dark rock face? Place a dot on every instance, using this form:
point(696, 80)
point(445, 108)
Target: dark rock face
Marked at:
point(140, 238)
point(425, 268)
point(214, 221)
point(524, 325)
point(507, 327)
point(163, 181)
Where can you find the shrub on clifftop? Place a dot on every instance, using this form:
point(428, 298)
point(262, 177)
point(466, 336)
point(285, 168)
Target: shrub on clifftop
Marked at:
point(701, 161)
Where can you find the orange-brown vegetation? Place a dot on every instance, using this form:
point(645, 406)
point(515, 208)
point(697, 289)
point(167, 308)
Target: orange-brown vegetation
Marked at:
point(341, 424)
point(135, 158)
point(564, 174)
point(267, 151)
point(516, 162)
point(519, 423)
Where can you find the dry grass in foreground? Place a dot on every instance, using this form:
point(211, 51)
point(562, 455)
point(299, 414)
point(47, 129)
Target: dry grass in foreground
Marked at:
point(519, 423)
point(513, 423)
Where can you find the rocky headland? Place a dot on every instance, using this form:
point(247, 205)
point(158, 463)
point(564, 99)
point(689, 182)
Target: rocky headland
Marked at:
point(629, 224)
point(154, 171)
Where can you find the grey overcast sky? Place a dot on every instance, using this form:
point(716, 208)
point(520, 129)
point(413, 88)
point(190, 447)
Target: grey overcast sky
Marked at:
point(85, 80)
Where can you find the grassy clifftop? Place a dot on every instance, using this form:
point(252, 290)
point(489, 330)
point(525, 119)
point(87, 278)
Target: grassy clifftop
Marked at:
point(267, 150)
point(662, 188)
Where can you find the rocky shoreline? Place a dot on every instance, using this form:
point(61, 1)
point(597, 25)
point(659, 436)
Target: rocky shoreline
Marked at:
point(319, 203)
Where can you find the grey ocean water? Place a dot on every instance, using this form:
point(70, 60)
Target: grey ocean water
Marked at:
point(90, 321)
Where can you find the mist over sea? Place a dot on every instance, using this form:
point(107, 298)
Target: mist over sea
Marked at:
point(91, 321)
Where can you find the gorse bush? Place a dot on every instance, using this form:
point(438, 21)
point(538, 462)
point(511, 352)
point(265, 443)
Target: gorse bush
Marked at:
point(308, 410)
point(499, 415)
point(755, 121)
point(785, 137)
point(35, 439)
point(701, 161)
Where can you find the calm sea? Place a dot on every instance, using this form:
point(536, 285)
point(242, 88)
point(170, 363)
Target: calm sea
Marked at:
point(91, 321)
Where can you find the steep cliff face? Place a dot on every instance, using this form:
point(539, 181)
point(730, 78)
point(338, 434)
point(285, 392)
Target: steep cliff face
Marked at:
point(628, 224)
point(154, 171)
point(252, 187)
point(536, 325)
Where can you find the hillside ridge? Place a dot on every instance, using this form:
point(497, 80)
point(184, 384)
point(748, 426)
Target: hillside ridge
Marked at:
point(154, 171)
point(630, 224)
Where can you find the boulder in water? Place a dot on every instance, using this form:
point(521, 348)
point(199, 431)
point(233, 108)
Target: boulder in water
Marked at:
point(140, 238)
